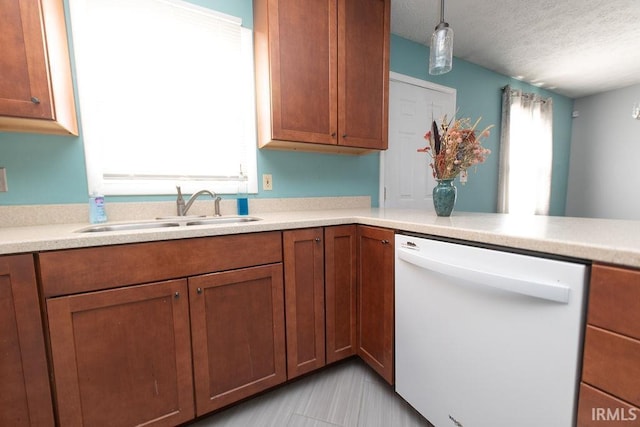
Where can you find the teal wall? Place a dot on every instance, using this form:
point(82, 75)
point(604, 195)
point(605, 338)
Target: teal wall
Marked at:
point(46, 169)
point(479, 94)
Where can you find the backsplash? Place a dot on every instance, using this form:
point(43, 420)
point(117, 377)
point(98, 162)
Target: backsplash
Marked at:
point(18, 216)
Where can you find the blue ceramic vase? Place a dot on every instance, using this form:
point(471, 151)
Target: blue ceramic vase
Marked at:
point(444, 197)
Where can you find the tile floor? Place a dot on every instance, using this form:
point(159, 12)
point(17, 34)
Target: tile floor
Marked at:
point(348, 394)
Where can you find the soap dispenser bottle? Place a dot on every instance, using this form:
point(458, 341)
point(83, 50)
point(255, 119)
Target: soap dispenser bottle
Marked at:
point(243, 202)
point(97, 212)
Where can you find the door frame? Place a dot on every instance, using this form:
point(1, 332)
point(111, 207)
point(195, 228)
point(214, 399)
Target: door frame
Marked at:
point(402, 78)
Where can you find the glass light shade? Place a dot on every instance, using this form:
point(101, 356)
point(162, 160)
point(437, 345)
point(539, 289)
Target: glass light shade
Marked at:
point(441, 55)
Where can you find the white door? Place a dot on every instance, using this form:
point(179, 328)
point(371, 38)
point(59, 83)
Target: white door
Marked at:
point(405, 176)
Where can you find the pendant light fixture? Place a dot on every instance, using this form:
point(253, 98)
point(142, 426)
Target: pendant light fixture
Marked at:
point(441, 48)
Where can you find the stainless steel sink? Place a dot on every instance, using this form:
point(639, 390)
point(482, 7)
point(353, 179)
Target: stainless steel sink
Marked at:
point(223, 220)
point(98, 228)
point(176, 222)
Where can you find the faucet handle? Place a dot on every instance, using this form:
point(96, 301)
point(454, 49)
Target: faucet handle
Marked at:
point(180, 205)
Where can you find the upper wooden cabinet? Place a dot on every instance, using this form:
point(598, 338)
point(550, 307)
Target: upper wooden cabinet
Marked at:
point(36, 89)
point(322, 74)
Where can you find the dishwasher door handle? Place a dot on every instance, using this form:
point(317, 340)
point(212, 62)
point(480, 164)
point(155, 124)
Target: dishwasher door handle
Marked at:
point(552, 292)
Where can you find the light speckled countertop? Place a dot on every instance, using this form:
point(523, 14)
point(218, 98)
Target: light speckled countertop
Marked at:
point(609, 241)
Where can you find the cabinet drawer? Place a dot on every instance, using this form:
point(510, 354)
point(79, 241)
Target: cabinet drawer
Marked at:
point(614, 300)
point(88, 269)
point(612, 363)
point(597, 409)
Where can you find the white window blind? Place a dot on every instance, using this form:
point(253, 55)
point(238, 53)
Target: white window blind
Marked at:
point(166, 96)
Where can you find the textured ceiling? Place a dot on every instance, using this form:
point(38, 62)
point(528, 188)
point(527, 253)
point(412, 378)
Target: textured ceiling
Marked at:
point(573, 47)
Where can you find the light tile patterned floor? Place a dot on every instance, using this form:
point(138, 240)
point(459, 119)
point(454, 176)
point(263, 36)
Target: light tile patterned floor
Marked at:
point(348, 394)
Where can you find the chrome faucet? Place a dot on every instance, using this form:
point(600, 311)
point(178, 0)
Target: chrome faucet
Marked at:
point(184, 208)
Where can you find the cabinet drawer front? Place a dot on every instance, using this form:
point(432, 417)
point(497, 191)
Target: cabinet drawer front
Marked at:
point(88, 269)
point(612, 363)
point(613, 301)
point(597, 409)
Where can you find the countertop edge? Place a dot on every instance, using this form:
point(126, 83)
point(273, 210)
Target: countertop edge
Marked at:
point(611, 242)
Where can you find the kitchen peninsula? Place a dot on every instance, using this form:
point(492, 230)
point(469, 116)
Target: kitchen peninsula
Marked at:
point(91, 278)
point(601, 240)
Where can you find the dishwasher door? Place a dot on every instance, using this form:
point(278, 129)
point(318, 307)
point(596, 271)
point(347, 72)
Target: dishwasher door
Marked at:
point(486, 338)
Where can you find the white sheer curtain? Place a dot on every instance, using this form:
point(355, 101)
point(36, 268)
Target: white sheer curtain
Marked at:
point(526, 150)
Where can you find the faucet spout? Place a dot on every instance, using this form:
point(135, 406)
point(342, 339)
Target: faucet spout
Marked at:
point(183, 207)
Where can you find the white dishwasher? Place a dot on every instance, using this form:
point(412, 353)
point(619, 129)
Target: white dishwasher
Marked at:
point(487, 338)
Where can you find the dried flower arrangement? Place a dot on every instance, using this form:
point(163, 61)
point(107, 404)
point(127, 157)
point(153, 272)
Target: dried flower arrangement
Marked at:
point(455, 147)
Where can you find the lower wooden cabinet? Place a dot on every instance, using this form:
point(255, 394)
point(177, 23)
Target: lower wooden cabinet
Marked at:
point(166, 351)
point(320, 296)
point(122, 357)
point(597, 409)
point(237, 324)
point(25, 396)
point(304, 296)
point(375, 299)
point(271, 306)
point(609, 392)
point(340, 291)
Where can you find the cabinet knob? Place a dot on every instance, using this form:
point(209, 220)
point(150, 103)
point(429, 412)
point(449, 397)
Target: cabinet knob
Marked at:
point(344, 135)
point(317, 239)
point(199, 290)
point(35, 100)
point(385, 242)
point(333, 135)
point(176, 295)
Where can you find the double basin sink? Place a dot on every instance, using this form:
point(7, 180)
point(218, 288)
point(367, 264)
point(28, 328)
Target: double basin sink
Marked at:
point(168, 222)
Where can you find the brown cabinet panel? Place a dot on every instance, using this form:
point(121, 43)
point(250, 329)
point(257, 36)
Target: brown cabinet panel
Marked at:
point(612, 363)
point(237, 322)
point(81, 270)
point(25, 397)
point(322, 74)
point(36, 90)
point(597, 409)
point(122, 357)
point(614, 298)
point(363, 88)
point(340, 291)
point(376, 299)
point(304, 300)
point(23, 64)
point(303, 70)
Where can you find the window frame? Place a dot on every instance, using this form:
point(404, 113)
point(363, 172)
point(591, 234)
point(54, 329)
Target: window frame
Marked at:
point(165, 184)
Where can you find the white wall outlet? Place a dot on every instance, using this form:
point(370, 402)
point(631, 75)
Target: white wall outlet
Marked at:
point(3, 180)
point(267, 182)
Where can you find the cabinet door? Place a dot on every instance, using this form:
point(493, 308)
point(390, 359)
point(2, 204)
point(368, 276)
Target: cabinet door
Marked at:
point(363, 76)
point(23, 65)
point(340, 291)
point(36, 90)
point(238, 334)
point(122, 357)
point(304, 300)
point(375, 299)
point(303, 51)
point(25, 398)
